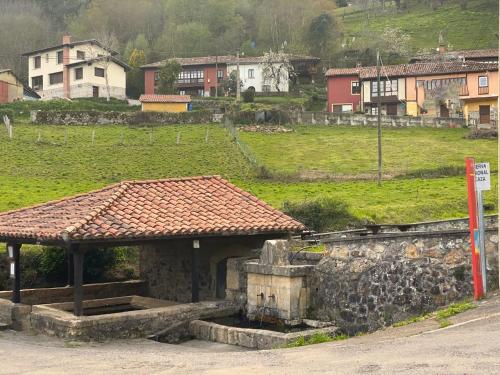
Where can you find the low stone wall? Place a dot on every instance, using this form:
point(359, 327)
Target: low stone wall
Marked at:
point(119, 118)
point(343, 119)
point(133, 324)
point(364, 283)
point(250, 338)
point(90, 291)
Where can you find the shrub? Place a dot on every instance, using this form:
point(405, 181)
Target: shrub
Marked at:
point(54, 264)
point(325, 214)
point(97, 262)
point(6, 112)
point(248, 96)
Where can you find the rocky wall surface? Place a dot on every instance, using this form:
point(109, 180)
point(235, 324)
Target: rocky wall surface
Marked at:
point(365, 283)
point(119, 118)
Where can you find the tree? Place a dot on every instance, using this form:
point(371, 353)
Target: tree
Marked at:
point(169, 74)
point(135, 77)
point(109, 43)
point(277, 68)
point(230, 83)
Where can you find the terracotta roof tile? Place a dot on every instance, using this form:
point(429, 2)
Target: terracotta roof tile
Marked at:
point(153, 98)
point(136, 210)
point(405, 70)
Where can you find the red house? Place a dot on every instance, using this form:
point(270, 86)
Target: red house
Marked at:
point(344, 90)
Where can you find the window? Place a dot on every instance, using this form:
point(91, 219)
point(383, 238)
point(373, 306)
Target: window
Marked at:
point(78, 73)
point(59, 57)
point(55, 78)
point(191, 76)
point(266, 88)
point(483, 81)
point(355, 88)
point(157, 76)
point(46, 57)
point(220, 75)
point(37, 83)
point(99, 72)
point(387, 88)
point(251, 73)
point(37, 62)
point(342, 108)
point(80, 55)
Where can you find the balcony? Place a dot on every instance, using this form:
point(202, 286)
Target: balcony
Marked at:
point(464, 90)
point(483, 90)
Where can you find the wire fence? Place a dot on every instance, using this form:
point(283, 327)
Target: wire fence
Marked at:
point(242, 146)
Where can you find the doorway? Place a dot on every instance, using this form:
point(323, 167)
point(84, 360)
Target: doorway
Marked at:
point(392, 109)
point(220, 279)
point(484, 114)
point(444, 111)
point(95, 91)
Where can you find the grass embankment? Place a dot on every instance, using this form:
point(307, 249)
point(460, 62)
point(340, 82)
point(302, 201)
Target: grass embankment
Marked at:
point(472, 28)
point(33, 172)
point(352, 152)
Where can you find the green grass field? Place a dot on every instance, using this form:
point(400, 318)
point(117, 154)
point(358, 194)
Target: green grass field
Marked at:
point(472, 28)
point(343, 151)
point(34, 172)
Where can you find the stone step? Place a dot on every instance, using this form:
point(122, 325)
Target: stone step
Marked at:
point(4, 327)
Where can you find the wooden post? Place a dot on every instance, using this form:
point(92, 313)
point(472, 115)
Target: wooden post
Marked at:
point(195, 291)
point(70, 265)
point(78, 256)
point(14, 255)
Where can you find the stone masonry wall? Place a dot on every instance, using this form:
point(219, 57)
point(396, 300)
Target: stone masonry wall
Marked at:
point(366, 283)
point(119, 118)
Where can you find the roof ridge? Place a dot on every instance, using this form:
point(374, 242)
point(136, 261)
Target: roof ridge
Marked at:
point(122, 188)
point(188, 178)
point(60, 200)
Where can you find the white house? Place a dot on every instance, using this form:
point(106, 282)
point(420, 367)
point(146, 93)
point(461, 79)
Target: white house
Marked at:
point(79, 69)
point(252, 76)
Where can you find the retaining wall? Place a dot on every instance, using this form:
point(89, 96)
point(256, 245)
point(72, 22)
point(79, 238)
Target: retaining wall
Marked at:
point(119, 118)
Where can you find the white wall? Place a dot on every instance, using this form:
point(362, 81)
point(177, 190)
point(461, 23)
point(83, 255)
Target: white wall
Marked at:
point(258, 81)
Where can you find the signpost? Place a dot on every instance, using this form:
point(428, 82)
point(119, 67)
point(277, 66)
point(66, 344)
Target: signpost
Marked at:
point(483, 182)
point(478, 180)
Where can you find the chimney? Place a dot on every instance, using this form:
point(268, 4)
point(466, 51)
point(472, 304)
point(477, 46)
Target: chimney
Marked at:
point(442, 43)
point(442, 48)
point(66, 41)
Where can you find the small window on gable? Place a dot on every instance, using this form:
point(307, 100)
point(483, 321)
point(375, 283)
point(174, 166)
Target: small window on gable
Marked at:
point(80, 55)
point(99, 72)
point(37, 62)
point(355, 88)
point(251, 73)
point(59, 57)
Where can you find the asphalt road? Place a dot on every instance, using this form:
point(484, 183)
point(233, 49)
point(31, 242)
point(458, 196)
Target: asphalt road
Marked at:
point(470, 346)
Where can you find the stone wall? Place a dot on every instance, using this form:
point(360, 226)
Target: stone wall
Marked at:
point(364, 283)
point(166, 267)
point(119, 118)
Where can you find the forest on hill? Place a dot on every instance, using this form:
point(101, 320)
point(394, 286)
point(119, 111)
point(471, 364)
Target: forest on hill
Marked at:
point(340, 32)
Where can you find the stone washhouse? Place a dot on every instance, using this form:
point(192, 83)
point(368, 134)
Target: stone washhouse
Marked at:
point(187, 230)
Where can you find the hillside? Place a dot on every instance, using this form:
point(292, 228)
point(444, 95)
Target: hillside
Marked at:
point(472, 28)
point(48, 162)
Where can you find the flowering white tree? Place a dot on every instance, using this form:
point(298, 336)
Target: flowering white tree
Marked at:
point(277, 68)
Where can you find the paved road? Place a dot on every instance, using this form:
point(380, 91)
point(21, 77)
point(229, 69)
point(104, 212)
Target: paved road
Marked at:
point(470, 346)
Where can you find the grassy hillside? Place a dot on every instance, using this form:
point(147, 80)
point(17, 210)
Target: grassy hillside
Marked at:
point(352, 152)
point(33, 171)
point(472, 28)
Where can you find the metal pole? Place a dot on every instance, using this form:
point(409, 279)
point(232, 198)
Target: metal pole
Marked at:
point(379, 122)
point(482, 250)
point(217, 74)
point(238, 88)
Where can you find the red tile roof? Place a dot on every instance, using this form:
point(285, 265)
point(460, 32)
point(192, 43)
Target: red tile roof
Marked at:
point(151, 98)
point(461, 54)
point(420, 69)
point(144, 210)
point(229, 59)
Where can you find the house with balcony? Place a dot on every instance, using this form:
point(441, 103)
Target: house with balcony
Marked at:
point(437, 89)
point(203, 76)
point(79, 69)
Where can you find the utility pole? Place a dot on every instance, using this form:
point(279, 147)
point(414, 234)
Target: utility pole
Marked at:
point(238, 88)
point(379, 122)
point(217, 74)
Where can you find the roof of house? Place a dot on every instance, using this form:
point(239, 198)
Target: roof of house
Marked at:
point(147, 210)
point(72, 44)
point(100, 58)
point(461, 54)
point(228, 59)
point(419, 69)
point(149, 98)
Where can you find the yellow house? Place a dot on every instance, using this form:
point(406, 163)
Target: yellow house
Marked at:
point(165, 103)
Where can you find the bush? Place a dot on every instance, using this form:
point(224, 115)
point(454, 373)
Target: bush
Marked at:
point(248, 96)
point(326, 214)
point(6, 112)
point(54, 264)
point(97, 262)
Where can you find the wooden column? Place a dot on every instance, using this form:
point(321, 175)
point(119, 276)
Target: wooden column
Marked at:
point(69, 254)
point(78, 257)
point(14, 257)
point(195, 288)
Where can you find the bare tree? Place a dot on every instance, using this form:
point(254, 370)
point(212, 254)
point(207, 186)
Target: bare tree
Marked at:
point(277, 68)
point(104, 56)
